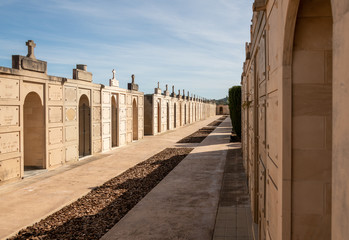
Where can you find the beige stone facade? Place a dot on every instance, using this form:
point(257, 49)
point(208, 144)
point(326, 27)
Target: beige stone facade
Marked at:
point(295, 123)
point(222, 109)
point(167, 111)
point(48, 121)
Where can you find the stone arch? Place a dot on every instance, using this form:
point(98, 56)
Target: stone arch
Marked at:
point(135, 120)
point(168, 116)
point(84, 126)
point(34, 132)
point(175, 115)
point(307, 115)
point(114, 121)
point(159, 116)
point(180, 114)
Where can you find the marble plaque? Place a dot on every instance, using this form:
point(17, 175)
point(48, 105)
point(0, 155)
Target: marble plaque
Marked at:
point(122, 99)
point(106, 128)
point(55, 93)
point(70, 94)
point(71, 133)
point(9, 142)
point(55, 114)
point(106, 97)
point(106, 113)
point(55, 135)
point(9, 116)
point(9, 89)
point(71, 153)
point(96, 97)
point(97, 130)
point(10, 168)
point(55, 157)
point(96, 114)
point(106, 144)
point(129, 99)
point(97, 146)
point(70, 114)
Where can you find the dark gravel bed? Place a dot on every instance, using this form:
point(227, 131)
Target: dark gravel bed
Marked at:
point(92, 215)
point(198, 136)
point(218, 121)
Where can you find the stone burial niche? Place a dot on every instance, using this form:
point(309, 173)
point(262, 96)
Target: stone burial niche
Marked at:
point(48, 121)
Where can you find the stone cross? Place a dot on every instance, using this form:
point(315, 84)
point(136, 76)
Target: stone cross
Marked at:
point(31, 45)
point(166, 87)
point(133, 78)
point(113, 73)
point(158, 84)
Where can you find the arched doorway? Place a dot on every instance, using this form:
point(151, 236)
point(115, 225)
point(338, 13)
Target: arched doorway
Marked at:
point(175, 115)
point(135, 120)
point(114, 121)
point(159, 117)
point(311, 118)
point(221, 110)
point(34, 132)
point(185, 113)
point(180, 114)
point(84, 126)
point(168, 116)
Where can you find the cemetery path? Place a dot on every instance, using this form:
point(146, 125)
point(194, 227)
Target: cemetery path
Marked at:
point(28, 201)
point(184, 204)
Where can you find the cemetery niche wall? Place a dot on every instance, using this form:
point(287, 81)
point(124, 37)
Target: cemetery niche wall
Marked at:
point(164, 112)
point(48, 121)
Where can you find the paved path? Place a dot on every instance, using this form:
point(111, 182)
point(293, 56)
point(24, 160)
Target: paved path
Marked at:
point(184, 204)
point(28, 201)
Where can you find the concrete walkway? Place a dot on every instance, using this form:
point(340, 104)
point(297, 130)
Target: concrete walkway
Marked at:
point(29, 200)
point(184, 204)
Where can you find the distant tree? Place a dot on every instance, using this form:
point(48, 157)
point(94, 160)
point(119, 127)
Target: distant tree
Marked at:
point(235, 109)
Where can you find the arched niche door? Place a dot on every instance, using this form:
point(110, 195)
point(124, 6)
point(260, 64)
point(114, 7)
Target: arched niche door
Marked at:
point(175, 115)
point(114, 121)
point(221, 110)
point(84, 126)
point(135, 120)
point(34, 132)
point(159, 117)
point(168, 116)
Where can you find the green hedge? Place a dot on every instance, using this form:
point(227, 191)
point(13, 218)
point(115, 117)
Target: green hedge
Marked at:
point(235, 109)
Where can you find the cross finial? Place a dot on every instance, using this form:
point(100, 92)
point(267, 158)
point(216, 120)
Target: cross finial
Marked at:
point(158, 84)
point(31, 45)
point(173, 88)
point(133, 78)
point(113, 73)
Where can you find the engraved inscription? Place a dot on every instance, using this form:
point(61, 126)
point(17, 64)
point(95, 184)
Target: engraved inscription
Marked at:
point(106, 128)
point(70, 94)
point(55, 93)
point(96, 114)
point(70, 113)
point(9, 115)
point(9, 142)
point(9, 89)
point(71, 153)
point(55, 135)
point(55, 114)
point(96, 97)
point(55, 157)
point(9, 169)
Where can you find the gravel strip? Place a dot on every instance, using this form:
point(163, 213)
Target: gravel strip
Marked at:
point(92, 215)
point(198, 136)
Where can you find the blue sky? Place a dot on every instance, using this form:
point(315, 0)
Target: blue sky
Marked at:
point(196, 45)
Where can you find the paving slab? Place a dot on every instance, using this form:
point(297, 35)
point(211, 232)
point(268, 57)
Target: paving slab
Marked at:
point(184, 204)
point(28, 201)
